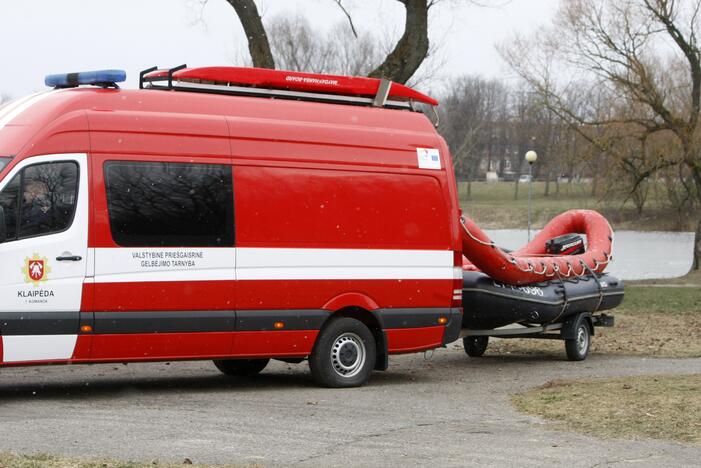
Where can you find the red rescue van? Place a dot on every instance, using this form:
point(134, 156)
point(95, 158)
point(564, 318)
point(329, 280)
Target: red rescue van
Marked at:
point(229, 214)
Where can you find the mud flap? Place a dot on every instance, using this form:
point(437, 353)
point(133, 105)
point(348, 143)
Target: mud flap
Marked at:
point(382, 360)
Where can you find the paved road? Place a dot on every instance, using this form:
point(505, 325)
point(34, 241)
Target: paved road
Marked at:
point(446, 411)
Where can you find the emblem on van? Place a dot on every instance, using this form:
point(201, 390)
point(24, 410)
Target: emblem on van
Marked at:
point(429, 158)
point(36, 269)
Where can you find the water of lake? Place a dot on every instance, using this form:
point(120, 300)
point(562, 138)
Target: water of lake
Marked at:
point(636, 255)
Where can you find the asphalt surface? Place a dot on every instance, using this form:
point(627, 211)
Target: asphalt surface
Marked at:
point(449, 410)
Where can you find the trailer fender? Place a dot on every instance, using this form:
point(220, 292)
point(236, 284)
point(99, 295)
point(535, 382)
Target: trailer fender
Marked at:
point(569, 327)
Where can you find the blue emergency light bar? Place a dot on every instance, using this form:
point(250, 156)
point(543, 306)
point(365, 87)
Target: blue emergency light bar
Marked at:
point(104, 78)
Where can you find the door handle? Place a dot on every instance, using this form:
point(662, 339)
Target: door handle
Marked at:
point(69, 258)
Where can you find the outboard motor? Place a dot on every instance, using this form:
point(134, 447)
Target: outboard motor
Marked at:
point(569, 244)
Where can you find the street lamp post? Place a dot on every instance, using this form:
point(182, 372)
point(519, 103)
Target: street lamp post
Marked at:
point(531, 157)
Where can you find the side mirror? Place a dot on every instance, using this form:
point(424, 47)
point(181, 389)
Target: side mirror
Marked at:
point(3, 227)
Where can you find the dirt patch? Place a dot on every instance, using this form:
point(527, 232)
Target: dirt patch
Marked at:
point(11, 460)
point(659, 407)
point(656, 334)
point(654, 320)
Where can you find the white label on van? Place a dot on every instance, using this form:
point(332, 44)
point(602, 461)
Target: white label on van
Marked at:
point(429, 158)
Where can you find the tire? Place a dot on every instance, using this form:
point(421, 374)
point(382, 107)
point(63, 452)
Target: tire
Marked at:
point(577, 349)
point(344, 354)
point(241, 367)
point(475, 346)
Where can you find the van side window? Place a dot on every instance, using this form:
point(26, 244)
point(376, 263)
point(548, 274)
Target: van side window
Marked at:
point(40, 200)
point(155, 204)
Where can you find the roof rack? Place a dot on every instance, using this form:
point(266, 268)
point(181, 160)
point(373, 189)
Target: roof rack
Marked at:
point(283, 84)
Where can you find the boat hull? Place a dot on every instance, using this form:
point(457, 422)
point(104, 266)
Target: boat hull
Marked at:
point(488, 303)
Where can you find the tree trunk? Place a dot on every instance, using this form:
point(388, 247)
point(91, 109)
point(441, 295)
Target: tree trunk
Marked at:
point(546, 193)
point(258, 44)
point(412, 48)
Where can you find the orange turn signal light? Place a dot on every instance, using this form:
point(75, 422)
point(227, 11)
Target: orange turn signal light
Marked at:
point(442, 320)
point(279, 325)
point(85, 328)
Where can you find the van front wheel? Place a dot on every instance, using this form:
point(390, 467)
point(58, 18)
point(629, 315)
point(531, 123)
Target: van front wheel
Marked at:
point(344, 354)
point(241, 367)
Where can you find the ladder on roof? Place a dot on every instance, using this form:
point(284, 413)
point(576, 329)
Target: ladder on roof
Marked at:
point(181, 78)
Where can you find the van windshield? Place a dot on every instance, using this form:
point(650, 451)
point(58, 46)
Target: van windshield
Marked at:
point(4, 161)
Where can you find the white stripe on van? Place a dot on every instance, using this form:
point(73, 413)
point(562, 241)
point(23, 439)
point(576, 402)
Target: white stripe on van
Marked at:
point(37, 347)
point(340, 264)
point(14, 103)
point(15, 109)
point(126, 265)
point(136, 265)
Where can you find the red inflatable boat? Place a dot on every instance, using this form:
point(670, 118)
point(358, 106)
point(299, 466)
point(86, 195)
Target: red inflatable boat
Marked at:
point(532, 263)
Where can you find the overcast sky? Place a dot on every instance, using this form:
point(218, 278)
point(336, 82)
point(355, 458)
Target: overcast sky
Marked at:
point(38, 37)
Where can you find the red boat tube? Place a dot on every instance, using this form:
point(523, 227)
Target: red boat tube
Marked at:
point(531, 263)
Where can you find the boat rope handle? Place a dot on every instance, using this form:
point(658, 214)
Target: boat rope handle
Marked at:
point(571, 272)
point(564, 297)
point(479, 241)
point(599, 287)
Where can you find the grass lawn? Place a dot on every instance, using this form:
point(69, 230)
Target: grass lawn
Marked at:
point(11, 460)
point(657, 318)
point(492, 206)
point(660, 407)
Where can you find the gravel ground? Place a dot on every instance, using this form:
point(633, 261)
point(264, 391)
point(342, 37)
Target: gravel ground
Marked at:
point(448, 410)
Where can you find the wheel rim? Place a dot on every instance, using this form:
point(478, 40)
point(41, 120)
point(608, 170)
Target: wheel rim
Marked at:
point(348, 355)
point(582, 340)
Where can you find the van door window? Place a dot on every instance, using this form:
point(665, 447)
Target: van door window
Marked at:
point(153, 204)
point(48, 198)
point(40, 200)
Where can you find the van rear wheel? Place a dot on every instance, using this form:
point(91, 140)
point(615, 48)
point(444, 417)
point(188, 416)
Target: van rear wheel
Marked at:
point(344, 354)
point(241, 367)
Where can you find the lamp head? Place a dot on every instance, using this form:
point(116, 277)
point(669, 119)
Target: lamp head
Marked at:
point(531, 157)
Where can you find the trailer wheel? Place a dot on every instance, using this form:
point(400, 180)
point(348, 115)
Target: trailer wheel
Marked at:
point(475, 346)
point(577, 348)
point(344, 354)
point(241, 367)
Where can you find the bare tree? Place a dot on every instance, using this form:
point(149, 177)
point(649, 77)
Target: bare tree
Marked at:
point(297, 46)
point(258, 45)
point(471, 113)
point(645, 53)
point(399, 64)
point(412, 48)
